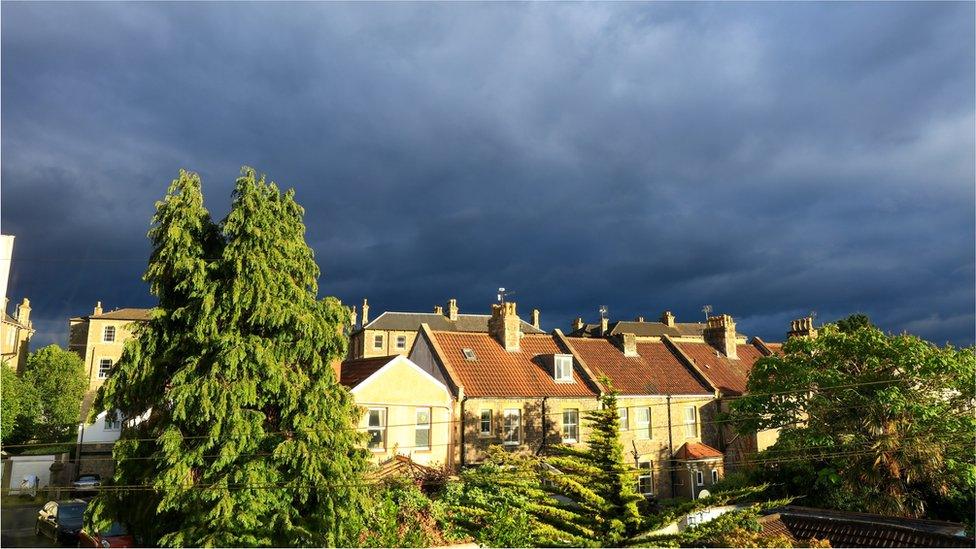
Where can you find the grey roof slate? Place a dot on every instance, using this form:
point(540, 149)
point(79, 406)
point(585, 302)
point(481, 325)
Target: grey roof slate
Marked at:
point(438, 322)
point(644, 329)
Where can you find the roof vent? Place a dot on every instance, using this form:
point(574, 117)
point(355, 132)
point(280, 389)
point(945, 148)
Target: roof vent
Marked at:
point(468, 353)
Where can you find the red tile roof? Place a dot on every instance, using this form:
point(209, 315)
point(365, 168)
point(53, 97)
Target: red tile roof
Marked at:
point(495, 372)
point(728, 375)
point(356, 371)
point(696, 450)
point(656, 371)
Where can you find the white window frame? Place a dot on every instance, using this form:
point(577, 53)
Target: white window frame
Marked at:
point(381, 429)
point(691, 422)
point(642, 429)
point(562, 368)
point(714, 476)
point(113, 425)
point(699, 477)
point(481, 425)
point(509, 429)
point(378, 341)
point(624, 418)
point(422, 426)
point(105, 334)
point(104, 373)
point(645, 473)
point(570, 425)
point(403, 340)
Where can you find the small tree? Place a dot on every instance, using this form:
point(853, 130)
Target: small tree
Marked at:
point(51, 388)
point(883, 423)
point(10, 403)
point(596, 478)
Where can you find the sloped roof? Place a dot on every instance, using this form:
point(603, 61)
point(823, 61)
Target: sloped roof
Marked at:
point(128, 313)
point(656, 371)
point(412, 321)
point(495, 372)
point(727, 375)
point(845, 529)
point(644, 329)
point(691, 451)
point(354, 372)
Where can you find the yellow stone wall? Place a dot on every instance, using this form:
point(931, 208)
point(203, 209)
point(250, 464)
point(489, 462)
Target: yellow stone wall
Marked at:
point(15, 345)
point(362, 345)
point(86, 338)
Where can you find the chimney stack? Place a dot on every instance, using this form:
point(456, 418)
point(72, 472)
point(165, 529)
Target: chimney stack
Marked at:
point(578, 324)
point(23, 312)
point(802, 327)
point(720, 333)
point(627, 343)
point(535, 317)
point(668, 319)
point(452, 309)
point(639, 319)
point(438, 310)
point(505, 326)
point(365, 312)
point(6, 302)
point(604, 324)
point(353, 316)
point(98, 309)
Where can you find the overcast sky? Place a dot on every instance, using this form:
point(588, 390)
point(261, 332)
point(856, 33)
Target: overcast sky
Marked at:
point(767, 159)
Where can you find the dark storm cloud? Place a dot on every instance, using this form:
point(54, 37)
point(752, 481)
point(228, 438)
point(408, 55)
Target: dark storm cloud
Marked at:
point(767, 159)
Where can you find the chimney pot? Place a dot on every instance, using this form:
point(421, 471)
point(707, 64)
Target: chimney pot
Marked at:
point(438, 310)
point(802, 327)
point(639, 319)
point(535, 317)
point(23, 312)
point(452, 309)
point(668, 318)
point(720, 333)
point(365, 311)
point(352, 316)
point(98, 309)
point(604, 324)
point(505, 326)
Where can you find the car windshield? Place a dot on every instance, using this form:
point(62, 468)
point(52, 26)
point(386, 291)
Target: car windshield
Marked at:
point(116, 530)
point(87, 478)
point(71, 513)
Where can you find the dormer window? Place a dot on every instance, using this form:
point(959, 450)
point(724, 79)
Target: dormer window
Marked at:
point(468, 354)
point(563, 368)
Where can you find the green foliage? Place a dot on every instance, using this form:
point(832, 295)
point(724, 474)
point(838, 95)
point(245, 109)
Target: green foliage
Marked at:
point(596, 478)
point(401, 515)
point(10, 403)
point(672, 510)
point(249, 439)
point(854, 323)
point(502, 503)
point(732, 529)
point(870, 422)
point(51, 389)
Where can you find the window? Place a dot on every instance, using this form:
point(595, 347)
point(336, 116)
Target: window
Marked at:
point(108, 335)
point(378, 341)
point(624, 420)
point(376, 426)
point(714, 476)
point(691, 422)
point(699, 478)
point(401, 342)
point(642, 422)
point(104, 368)
point(113, 425)
point(563, 368)
point(645, 479)
point(468, 354)
point(422, 436)
point(570, 425)
point(513, 427)
point(486, 423)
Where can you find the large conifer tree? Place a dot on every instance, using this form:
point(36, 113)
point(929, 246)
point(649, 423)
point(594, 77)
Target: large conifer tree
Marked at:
point(250, 440)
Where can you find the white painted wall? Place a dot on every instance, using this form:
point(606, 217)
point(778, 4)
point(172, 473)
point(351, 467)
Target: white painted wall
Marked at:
point(26, 465)
point(97, 432)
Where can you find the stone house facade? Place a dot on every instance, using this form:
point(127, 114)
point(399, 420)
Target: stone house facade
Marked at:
point(15, 334)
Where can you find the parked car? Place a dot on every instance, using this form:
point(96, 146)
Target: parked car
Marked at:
point(87, 482)
point(116, 536)
point(61, 520)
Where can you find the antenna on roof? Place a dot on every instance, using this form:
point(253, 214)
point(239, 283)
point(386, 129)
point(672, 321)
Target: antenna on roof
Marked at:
point(707, 309)
point(503, 293)
point(604, 311)
point(813, 315)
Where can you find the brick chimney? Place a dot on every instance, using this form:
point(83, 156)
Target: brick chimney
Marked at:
point(452, 309)
point(438, 310)
point(505, 326)
point(578, 323)
point(667, 319)
point(535, 317)
point(23, 312)
point(98, 309)
point(802, 327)
point(720, 333)
point(627, 343)
point(365, 311)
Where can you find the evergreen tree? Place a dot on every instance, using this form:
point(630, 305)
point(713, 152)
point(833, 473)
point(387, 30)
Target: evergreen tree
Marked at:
point(251, 439)
point(596, 478)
